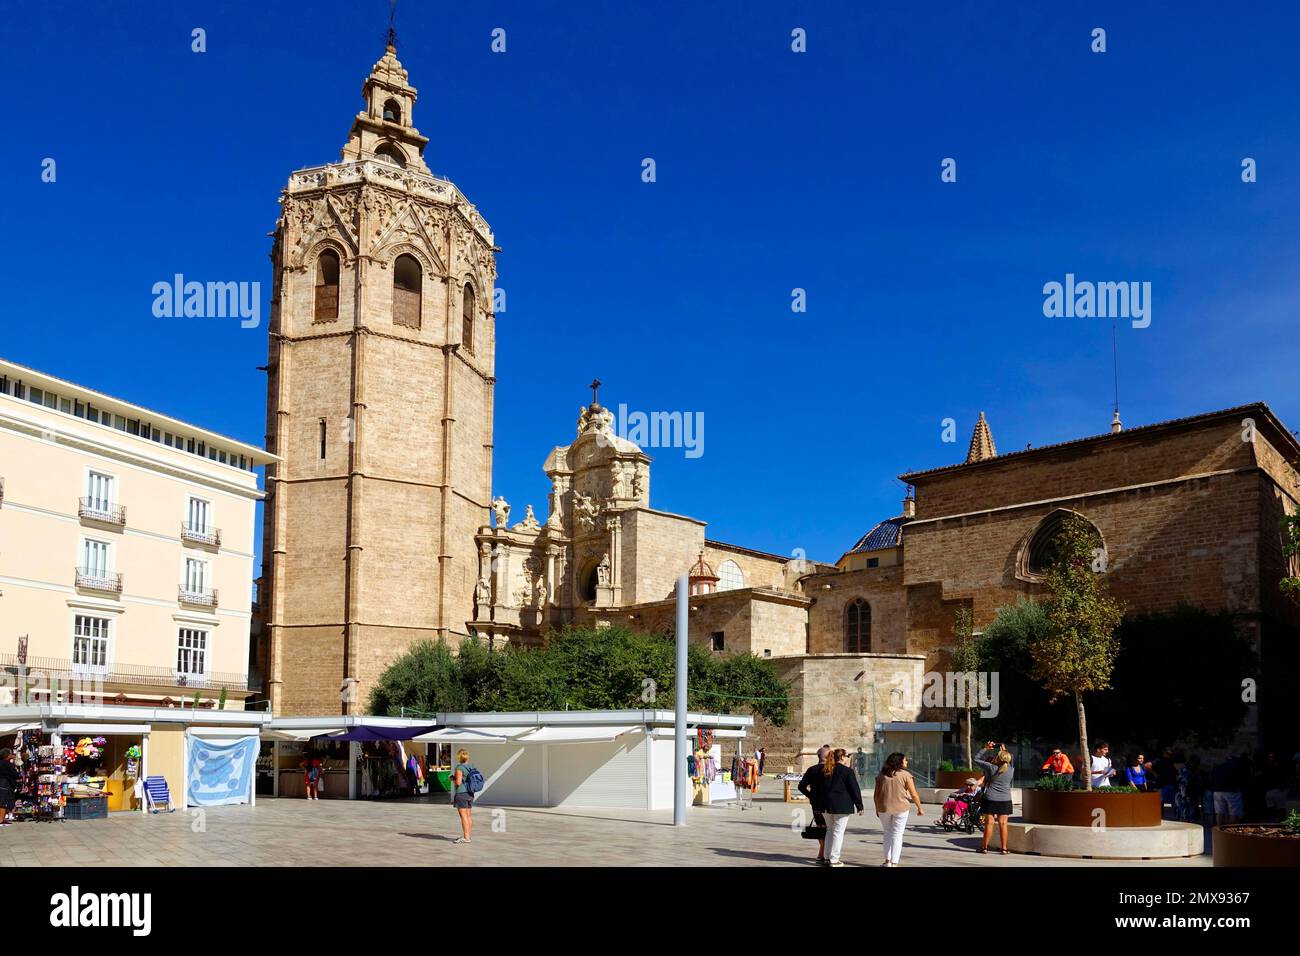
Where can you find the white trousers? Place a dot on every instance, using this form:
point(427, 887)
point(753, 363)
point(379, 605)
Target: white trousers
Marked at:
point(836, 824)
point(892, 826)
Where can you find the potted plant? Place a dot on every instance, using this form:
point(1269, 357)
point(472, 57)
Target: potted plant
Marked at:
point(948, 777)
point(1058, 801)
point(1259, 844)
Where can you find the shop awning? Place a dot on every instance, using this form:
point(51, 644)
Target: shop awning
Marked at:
point(291, 736)
point(470, 735)
point(14, 728)
point(371, 733)
point(574, 735)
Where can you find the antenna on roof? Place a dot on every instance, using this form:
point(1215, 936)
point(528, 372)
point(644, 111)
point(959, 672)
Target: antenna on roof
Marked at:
point(1115, 424)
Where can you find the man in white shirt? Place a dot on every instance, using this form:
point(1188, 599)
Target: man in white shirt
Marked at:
point(1102, 768)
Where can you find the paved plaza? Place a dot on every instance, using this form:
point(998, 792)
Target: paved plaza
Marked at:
point(289, 832)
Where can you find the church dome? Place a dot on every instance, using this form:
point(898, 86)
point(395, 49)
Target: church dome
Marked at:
point(702, 578)
point(887, 534)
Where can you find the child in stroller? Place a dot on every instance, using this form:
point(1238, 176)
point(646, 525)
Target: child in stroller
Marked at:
point(961, 811)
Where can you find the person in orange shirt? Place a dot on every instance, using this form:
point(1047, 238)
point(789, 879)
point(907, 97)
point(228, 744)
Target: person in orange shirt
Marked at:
point(1058, 763)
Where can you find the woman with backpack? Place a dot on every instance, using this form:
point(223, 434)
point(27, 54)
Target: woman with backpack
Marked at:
point(463, 793)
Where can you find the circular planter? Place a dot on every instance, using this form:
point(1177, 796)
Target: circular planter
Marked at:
point(1232, 847)
point(1074, 808)
point(955, 779)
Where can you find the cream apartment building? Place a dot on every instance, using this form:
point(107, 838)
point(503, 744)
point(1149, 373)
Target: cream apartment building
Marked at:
point(126, 550)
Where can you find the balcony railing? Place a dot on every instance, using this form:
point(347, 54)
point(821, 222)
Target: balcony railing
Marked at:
point(198, 597)
point(201, 535)
point(41, 672)
point(97, 509)
point(97, 579)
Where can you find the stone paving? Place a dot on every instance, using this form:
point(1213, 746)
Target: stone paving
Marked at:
point(289, 832)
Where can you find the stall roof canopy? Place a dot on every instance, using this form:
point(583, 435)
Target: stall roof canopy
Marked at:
point(466, 735)
point(369, 733)
point(574, 735)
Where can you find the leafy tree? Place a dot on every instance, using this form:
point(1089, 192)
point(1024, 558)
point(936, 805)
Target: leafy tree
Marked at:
point(966, 659)
point(1077, 652)
point(1024, 707)
point(1290, 549)
point(426, 678)
point(579, 668)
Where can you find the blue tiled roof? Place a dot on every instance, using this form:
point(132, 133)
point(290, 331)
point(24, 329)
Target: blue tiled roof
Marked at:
point(887, 534)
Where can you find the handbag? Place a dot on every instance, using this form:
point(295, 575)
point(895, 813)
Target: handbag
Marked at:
point(813, 832)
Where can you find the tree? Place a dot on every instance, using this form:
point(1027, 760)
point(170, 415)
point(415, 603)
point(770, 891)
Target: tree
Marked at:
point(1291, 548)
point(966, 659)
point(1076, 653)
point(579, 668)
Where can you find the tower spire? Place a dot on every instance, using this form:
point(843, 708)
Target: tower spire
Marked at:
point(392, 32)
point(981, 442)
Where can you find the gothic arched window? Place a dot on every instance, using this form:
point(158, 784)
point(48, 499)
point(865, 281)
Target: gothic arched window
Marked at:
point(392, 111)
point(407, 281)
point(857, 627)
point(327, 286)
point(730, 577)
point(390, 153)
point(467, 319)
point(1041, 551)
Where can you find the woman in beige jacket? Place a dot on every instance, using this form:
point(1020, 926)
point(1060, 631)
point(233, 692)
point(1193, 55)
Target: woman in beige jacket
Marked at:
point(895, 790)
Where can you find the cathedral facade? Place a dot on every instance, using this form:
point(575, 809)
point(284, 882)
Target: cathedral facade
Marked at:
point(379, 404)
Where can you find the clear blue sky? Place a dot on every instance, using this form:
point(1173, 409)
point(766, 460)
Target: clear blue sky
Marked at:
point(775, 171)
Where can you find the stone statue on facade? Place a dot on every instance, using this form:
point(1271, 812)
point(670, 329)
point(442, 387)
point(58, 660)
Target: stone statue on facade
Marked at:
point(602, 571)
point(501, 509)
point(530, 521)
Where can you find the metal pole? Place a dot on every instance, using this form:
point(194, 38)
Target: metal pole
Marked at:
point(679, 716)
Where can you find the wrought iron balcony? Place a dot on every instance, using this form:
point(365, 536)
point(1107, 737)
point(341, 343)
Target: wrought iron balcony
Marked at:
point(41, 672)
point(97, 579)
point(97, 509)
point(201, 534)
point(198, 597)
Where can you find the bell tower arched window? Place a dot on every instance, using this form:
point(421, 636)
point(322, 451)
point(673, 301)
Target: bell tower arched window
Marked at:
point(392, 111)
point(407, 285)
point(391, 154)
point(327, 286)
point(857, 627)
point(467, 319)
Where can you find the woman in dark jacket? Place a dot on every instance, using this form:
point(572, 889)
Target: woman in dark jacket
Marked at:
point(839, 797)
point(808, 787)
point(8, 786)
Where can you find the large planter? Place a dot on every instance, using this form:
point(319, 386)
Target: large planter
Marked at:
point(955, 779)
point(1256, 845)
point(1074, 808)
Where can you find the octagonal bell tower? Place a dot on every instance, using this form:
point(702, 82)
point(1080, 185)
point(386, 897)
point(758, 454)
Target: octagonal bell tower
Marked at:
point(379, 404)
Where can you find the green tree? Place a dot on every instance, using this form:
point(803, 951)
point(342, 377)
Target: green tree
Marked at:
point(1290, 549)
point(1076, 653)
point(966, 659)
point(426, 678)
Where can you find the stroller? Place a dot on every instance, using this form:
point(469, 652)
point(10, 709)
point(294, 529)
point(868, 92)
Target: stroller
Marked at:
point(963, 811)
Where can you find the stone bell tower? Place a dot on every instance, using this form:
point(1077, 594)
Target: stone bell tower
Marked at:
point(379, 405)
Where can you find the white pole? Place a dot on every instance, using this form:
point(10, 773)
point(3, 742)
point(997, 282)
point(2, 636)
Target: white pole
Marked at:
point(679, 717)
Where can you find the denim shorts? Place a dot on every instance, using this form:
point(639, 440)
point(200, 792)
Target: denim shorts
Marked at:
point(463, 801)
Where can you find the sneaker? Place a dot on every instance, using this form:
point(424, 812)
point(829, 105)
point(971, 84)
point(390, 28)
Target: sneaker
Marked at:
point(461, 840)
point(834, 863)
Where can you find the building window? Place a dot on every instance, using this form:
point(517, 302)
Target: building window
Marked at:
point(730, 577)
point(407, 281)
point(199, 515)
point(719, 641)
point(467, 319)
point(327, 286)
point(191, 653)
point(857, 627)
point(99, 492)
point(196, 576)
point(90, 642)
point(1041, 552)
point(95, 558)
point(873, 562)
point(391, 154)
point(322, 439)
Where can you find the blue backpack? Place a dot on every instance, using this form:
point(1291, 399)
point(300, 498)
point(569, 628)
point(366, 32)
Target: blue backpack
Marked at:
point(473, 780)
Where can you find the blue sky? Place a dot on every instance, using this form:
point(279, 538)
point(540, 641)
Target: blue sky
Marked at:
point(775, 171)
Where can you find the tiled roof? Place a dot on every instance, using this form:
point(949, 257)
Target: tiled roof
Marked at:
point(887, 534)
point(1259, 408)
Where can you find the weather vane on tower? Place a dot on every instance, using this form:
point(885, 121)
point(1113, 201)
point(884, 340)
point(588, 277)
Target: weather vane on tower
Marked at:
point(392, 32)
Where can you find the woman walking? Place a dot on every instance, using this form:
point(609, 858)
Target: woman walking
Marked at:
point(998, 774)
point(895, 791)
point(462, 796)
point(809, 788)
point(840, 796)
point(8, 786)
